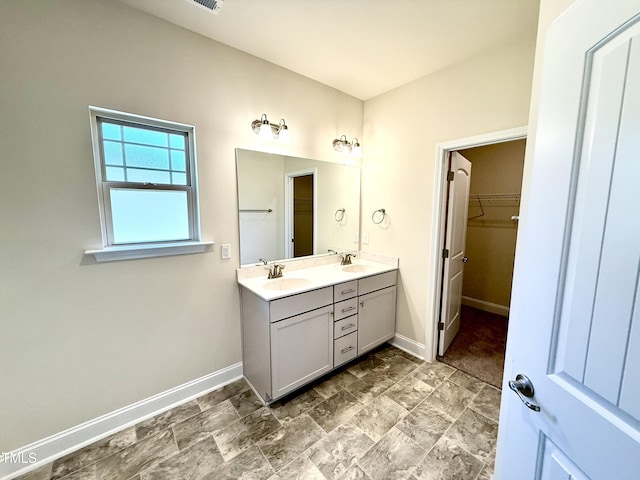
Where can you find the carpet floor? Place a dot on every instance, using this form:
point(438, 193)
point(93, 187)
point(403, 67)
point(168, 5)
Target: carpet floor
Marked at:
point(479, 347)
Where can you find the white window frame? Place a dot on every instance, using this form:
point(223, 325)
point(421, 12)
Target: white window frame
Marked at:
point(111, 251)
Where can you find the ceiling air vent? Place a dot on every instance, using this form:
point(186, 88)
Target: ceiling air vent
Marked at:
point(213, 5)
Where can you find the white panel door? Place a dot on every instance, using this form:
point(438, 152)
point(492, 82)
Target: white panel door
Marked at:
point(455, 240)
point(575, 313)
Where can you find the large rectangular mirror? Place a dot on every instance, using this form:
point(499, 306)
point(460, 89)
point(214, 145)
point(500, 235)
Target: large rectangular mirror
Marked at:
point(293, 207)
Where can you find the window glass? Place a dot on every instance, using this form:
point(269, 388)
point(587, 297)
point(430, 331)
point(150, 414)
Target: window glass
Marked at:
point(115, 174)
point(176, 141)
point(146, 136)
point(112, 153)
point(178, 161)
point(111, 131)
point(149, 215)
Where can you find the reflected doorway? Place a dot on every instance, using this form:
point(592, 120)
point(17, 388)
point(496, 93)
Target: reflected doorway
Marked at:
point(302, 216)
point(300, 210)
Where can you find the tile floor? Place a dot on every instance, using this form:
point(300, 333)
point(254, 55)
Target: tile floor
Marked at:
point(386, 416)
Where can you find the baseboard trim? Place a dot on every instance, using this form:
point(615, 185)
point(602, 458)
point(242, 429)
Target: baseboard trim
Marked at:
point(486, 306)
point(63, 443)
point(410, 346)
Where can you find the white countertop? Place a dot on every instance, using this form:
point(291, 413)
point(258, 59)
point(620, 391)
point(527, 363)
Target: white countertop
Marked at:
point(314, 277)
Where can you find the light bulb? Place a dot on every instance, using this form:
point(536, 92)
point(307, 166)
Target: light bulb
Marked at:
point(356, 151)
point(265, 130)
point(284, 136)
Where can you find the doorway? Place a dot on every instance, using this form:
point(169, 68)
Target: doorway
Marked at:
point(493, 207)
point(490, 235)
point(300, 212)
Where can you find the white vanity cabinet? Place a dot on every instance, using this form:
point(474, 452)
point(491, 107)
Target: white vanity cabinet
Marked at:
point(301, 349)
point(287, 342)
point(376, 317)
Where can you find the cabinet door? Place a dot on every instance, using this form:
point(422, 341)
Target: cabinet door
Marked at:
point(376, 318)
point(301, 349)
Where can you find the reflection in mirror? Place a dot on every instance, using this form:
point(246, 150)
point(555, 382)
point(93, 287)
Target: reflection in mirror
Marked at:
point(293, 207)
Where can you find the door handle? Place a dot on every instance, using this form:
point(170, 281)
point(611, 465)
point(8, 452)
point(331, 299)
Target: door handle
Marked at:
point(524, 389)
point(465, 259)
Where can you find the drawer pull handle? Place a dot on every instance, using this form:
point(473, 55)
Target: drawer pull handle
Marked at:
point(345, 350)
point(347, 327)
point(344, 292)
point(345, 310)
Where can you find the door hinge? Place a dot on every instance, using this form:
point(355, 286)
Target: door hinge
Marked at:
point(450, 177)
point(440, 326)
point(445, 253)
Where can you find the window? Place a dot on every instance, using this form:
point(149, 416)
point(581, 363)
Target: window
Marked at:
point(147, 186)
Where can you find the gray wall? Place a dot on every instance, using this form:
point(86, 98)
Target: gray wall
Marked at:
point(81, 339)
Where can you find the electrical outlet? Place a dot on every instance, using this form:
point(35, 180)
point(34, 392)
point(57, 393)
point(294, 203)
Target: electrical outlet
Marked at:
point(225, 251)
point(356, 237)
point(365, 238)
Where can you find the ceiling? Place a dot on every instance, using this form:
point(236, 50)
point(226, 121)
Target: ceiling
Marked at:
point(360, 47)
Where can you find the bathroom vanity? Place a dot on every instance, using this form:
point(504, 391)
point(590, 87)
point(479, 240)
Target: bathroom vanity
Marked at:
point(303, 325)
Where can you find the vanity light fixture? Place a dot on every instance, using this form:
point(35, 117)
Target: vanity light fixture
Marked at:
point(271, 131)
point(345, 146)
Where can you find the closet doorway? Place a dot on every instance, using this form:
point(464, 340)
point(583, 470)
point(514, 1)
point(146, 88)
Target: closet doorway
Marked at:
point(300, 212)
point(482, 302)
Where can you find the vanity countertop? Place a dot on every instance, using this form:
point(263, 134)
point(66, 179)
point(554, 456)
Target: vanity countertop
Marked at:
point(302, 280)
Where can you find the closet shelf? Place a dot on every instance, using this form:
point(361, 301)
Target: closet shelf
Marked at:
point(494, 196)
point(491, 200)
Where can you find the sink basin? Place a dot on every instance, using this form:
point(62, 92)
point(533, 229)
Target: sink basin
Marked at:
point(357, 268)
point(286, 283)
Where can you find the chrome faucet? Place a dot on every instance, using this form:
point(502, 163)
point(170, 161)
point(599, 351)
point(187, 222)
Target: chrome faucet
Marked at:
point(275, 271)
point(264, 262)
point(346, 258)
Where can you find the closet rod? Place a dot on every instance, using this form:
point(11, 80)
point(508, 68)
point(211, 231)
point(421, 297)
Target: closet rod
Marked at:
point(496, 196)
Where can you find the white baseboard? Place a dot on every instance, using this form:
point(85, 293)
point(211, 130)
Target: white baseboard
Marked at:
point(58, 445)
point(486, 306)
point(410, 346)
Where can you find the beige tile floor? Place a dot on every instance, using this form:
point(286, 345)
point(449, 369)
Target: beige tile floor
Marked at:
point(385, 416)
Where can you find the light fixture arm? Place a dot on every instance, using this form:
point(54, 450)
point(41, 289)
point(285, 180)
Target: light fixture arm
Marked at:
point(342, 144)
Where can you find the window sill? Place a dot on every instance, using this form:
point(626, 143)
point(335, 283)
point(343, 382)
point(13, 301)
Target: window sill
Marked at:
point(127, 252)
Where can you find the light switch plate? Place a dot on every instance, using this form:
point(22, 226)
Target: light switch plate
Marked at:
point(365, 238)
point(225, 251)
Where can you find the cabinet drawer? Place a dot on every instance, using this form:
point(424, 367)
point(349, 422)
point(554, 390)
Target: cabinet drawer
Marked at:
point(345, 308)
point(345, 290)
point(344, 348)
point(377, 282)
point(303, 302)
point(345, 326)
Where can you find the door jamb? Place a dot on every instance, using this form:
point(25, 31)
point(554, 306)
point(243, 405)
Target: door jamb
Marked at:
point(439, 216)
